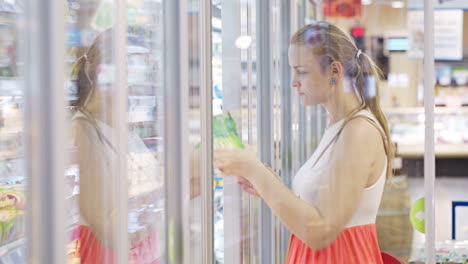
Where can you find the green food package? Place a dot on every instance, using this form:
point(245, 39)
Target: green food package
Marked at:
point(7, 221)
point(225, 132)
point(224, 136)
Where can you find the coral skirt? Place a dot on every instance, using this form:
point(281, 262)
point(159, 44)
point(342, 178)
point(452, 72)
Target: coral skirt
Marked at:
point(355, 245)
point(89, 250)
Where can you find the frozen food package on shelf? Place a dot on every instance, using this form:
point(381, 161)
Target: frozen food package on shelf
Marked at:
point(144, 170)
point(11, 214)
point(447, 252)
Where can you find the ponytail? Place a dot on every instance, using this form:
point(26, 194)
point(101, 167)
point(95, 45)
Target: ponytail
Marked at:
point(366, 81)
point(85, 73)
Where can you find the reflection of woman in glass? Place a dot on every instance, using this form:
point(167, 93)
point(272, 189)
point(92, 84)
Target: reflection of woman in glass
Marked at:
point(96, 153)
point(336, 194)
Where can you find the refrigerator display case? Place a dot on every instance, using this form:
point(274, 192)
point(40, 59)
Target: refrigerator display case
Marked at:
point(13, 177)
point(166, 97)
point(144, 118)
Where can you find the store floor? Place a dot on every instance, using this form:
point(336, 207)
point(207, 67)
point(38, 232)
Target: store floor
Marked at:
point(448, 189)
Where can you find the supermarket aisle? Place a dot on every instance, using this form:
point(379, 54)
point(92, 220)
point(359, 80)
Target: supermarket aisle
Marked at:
point(232, 53)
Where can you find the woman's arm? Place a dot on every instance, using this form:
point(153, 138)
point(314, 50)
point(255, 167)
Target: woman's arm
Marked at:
point(351, 164)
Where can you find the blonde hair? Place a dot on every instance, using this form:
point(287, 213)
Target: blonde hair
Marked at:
point(86, 68)
point(332, 44)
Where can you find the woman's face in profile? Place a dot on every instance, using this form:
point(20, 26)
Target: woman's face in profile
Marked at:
point(310, 81)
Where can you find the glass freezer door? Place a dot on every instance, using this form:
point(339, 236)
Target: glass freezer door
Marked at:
point(12, 163)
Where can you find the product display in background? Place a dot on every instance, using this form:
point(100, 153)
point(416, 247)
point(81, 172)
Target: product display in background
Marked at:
point(342, 8)
point(394, 229)
point(12, 206)
point(12, 180)
point(8, 41)
point(448, 34)
point(450, 127)
point(145, 173)
point(11, 124)
point(460, 75)
point(447, 252)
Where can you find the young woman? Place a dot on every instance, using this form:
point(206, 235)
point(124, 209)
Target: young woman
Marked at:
point(332, 208)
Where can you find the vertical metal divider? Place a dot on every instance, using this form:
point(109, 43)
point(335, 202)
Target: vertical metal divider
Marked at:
point(429, 151)
point(276, 72)
point(45, 130)
point(286, 117)
point(276, 108)
point(246, 224)
point(249, 78)
point(295, 99)
point(206, 132)
point(252, 200)
point(264, 117)
point(183, 159)
point(302, 109)
point(177, 193)
point(273, 87)
point(120, 107)
point(231, 83)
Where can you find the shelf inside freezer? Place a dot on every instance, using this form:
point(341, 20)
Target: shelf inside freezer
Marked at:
point(13, 227)
point(11, 86)
point(7, 248)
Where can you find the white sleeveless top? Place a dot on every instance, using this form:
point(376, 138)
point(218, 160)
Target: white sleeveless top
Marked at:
point(310, 179)
point(143, 170)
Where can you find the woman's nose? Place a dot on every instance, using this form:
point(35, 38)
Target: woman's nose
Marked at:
point(296, 84)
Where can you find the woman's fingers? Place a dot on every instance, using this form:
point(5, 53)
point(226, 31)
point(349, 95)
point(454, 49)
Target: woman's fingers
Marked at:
point(251, 191)
point(221, 153)
point(247, 186)
point(244, 182)
point(221, 162)
point(234, 162)
point(221, 159)
point(225, 160)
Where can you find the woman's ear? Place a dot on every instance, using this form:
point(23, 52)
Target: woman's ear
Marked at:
point(336, 70)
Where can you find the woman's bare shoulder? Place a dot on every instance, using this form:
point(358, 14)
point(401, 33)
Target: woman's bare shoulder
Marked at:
point(360, 133)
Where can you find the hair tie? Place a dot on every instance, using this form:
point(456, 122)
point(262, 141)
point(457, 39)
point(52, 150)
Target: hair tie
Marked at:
point(358, 54)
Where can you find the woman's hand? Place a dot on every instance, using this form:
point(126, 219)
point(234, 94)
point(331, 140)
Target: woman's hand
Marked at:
point(247, 186)
point(241, 163)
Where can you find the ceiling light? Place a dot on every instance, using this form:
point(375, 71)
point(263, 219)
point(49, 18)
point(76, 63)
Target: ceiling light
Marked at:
point(366, 2)
point(398, 4)
point(243, 42)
